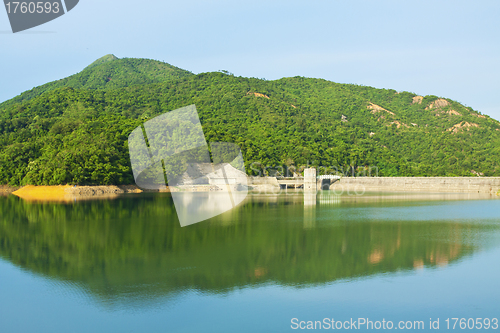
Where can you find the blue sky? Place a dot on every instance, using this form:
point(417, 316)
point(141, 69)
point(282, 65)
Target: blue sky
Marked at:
point(445, 48)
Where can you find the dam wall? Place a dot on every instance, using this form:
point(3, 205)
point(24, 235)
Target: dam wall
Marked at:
point(490, 185)
point(272, 181)
point(265, 184)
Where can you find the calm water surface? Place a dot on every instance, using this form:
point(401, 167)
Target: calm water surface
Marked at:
point(125, 265)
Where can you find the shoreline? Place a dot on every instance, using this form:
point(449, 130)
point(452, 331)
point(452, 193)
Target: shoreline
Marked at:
point(69, 193)
point(6, 189)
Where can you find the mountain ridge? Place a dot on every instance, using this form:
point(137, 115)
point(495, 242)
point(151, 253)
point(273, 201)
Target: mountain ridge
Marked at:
point(102, 60)
point(109, 72)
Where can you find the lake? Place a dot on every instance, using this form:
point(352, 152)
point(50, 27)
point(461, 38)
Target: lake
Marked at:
point(276, 263)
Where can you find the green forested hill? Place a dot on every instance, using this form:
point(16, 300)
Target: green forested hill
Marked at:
point(109, 72)
point(78, 135)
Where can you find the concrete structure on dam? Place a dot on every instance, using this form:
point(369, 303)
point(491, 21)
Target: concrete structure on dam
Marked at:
point(310, 181)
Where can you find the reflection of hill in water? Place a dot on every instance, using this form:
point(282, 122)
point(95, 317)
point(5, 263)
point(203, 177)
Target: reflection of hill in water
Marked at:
point(133, 247)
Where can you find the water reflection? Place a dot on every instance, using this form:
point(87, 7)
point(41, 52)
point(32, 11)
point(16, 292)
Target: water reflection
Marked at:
point(193, 207)
point(309, 209)
point(133, 250)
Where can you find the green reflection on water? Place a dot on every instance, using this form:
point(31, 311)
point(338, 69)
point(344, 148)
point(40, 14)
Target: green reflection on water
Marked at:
point(132, 247)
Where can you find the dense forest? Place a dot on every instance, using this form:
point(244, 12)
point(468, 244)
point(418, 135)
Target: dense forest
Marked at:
point(76, 130)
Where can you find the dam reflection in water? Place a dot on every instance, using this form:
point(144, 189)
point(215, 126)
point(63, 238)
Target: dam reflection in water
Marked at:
point(132, 250)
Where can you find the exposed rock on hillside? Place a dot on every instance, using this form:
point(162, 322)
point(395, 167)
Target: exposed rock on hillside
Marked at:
point(461, 126)
point(438, 103)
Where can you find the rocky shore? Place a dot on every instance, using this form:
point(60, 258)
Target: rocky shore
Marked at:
point(6, 189)
point(102, 190)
